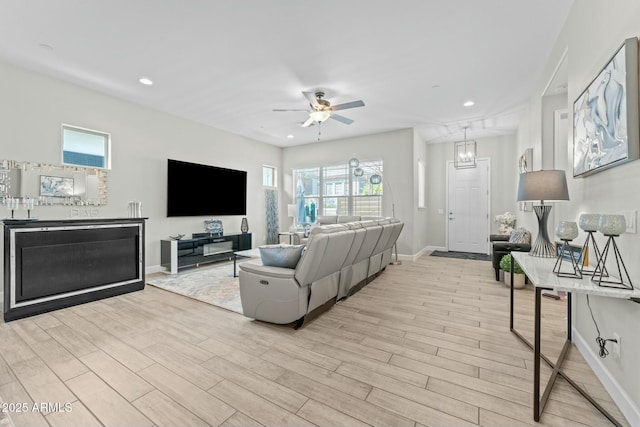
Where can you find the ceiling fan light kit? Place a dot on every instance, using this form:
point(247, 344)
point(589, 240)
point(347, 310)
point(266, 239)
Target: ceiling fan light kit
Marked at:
point(322, 110)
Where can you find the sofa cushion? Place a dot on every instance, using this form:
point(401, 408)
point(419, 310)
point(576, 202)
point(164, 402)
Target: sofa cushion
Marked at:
point(345, 219)
point(329, 219)
point(286, 256)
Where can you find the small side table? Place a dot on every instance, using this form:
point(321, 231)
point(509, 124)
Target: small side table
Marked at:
point(290, 236)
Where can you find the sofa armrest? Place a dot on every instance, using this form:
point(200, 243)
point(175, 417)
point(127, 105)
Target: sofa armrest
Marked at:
point(268, 271)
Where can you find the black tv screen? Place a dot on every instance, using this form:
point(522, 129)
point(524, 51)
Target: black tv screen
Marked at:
point(198, 190)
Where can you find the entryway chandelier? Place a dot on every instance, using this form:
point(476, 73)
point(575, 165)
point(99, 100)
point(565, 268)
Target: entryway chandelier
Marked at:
point(464, 153)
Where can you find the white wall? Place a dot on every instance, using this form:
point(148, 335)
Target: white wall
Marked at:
point(593, 32)
point(34, 106)
point(504, 164)
point(395, 149)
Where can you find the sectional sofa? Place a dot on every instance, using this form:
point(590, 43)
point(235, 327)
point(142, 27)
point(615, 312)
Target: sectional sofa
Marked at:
point(338, 260)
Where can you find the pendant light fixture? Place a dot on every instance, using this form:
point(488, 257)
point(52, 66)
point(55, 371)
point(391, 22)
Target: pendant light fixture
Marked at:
point(464, 153)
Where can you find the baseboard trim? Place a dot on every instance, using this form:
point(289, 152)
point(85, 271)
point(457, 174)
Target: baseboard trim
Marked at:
point(617, 393)
point(153, 269)
point(414, 257)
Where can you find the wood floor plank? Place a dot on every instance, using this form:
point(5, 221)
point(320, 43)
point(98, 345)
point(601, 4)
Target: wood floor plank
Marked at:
point(77, 416)
point(13, 392)
point(121, 379)
point(417, 394)
point(265, 388)
point(41, 383)
point(165, 412)
point(183, 365)
point(75, 343)
point(415, 411)
point(325, 416)
point(201, 403)
point(316, 373)
point(241, 420)
point(255, 406)
point(109, 407)
point(356, 408)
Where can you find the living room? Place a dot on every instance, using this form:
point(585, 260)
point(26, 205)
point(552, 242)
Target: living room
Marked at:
point(35, 105)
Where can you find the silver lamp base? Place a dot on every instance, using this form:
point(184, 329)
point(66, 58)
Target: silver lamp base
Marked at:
point(542, 247)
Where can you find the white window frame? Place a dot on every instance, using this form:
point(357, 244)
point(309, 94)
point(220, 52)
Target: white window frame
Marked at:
point(274, 176)
point(107, 145)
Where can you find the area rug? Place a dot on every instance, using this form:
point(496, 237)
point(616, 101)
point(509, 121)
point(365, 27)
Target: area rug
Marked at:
point(462, 255)
point(213, 285)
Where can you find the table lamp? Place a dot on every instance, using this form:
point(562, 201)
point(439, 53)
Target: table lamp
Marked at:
point(549, 185)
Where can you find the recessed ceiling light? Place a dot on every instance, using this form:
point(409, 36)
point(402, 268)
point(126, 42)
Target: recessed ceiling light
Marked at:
point(469, 104)
point(290, 136)
point(145, 81)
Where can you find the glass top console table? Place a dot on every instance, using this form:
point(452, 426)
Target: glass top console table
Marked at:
point(541, 276)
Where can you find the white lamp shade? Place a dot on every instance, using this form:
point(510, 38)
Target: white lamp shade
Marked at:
point(548, 185)
point(320, 115)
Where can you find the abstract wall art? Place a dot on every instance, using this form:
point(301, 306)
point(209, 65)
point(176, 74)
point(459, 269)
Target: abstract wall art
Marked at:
point(605, 115)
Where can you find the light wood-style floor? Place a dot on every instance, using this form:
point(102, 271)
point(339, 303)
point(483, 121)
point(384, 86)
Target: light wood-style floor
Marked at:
point(426, 343)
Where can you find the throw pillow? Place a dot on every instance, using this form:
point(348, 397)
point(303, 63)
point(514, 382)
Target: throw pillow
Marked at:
point(286, 256)
point(520, 235)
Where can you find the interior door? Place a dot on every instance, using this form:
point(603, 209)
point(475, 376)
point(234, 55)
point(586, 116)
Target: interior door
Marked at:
point(468, 203)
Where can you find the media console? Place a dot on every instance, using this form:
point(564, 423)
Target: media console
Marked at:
point(54, 264)
point(202, 248)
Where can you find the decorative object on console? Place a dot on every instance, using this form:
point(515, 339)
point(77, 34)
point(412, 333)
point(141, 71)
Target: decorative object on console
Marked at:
point(244, 225)
point(589, 224)
point(285, 256)
point(177, 237)
point(612, 226)
point(214, 227)
point(549, 185)
point(518, 274)
point(605, 115)
point(567, 231)
point(292, 212)
point(135, 209)
point(465, 153)
point(507, 222)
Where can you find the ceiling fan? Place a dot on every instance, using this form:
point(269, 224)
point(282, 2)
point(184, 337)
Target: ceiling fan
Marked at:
point(321, 109)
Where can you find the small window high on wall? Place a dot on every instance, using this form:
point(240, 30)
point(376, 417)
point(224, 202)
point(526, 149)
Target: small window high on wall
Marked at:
point(86, 147)
point(269, 176)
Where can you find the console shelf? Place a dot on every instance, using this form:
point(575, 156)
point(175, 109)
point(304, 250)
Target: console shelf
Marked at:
point(202, 248)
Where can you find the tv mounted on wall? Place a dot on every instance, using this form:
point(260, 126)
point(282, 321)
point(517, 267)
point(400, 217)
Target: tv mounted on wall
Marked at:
point(198, 190)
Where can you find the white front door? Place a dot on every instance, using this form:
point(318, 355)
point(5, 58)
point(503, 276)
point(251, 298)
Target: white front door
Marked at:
point(468, 203)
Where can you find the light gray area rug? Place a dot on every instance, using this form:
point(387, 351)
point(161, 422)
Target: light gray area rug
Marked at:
point(214, 285)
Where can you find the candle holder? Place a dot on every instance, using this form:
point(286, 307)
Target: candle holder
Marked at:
point(612, 226)
point(589, 224)
point(567, 231)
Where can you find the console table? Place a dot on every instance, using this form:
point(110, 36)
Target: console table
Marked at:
point(202, 248)
point(54, 264)
point(541, 276)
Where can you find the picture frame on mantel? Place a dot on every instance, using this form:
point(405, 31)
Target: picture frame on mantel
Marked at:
point(605, 115)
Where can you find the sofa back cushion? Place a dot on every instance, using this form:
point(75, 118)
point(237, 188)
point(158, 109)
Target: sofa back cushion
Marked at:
point(328, 219)
point(345, 219)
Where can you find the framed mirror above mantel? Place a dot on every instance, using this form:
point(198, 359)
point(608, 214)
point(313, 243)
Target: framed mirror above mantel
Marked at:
point(42, 184)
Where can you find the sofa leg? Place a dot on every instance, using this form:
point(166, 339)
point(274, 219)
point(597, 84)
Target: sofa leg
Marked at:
point(497, 274)
point(298, 323)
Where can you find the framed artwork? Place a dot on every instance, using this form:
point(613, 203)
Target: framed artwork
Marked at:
point(56, 186)
point(525, 162)
point(605, 115)
point(577, 253)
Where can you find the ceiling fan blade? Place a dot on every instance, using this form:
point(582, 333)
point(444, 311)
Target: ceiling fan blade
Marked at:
point(352, 104)
point(308, 123)
point(342, 119)
point(312, 99)
point(286, 109)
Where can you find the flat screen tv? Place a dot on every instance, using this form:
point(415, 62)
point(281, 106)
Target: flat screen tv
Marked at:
point(201, 190)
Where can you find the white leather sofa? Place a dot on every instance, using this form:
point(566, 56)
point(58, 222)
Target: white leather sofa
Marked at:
point(339, 259)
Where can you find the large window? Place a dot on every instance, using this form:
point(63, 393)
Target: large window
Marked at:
point(85, 147)
point(334, 190)
point(269, 176)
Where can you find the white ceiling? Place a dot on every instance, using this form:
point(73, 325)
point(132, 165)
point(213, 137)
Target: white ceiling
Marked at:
point(229, 63)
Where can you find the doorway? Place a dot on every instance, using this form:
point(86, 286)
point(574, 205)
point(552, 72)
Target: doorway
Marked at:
point(468, 208)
